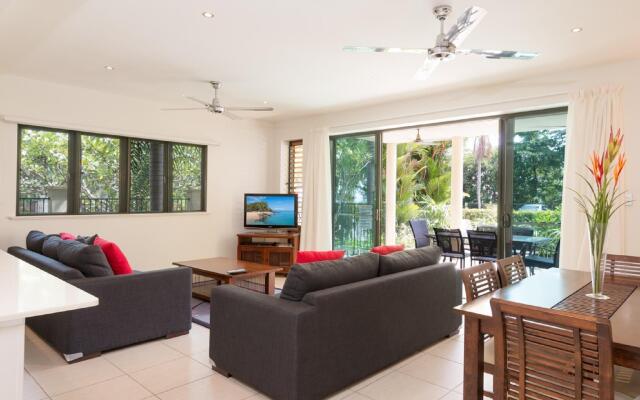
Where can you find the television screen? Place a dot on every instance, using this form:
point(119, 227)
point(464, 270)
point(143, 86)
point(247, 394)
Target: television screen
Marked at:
point(270, 210)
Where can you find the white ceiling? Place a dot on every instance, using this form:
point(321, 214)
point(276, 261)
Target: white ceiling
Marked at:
point(288, 52)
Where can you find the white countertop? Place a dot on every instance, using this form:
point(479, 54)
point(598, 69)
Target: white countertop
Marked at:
point(27, 291)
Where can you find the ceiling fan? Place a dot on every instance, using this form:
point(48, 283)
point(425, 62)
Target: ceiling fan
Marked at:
point(216, 107)
point(446, 46)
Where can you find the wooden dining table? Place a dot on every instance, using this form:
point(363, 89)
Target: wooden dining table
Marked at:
point(545, 289)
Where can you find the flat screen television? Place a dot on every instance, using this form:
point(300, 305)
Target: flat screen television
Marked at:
point(270, 210)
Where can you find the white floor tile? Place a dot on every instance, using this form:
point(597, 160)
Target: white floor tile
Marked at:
point(356, 396)
point(435, 370)
point(68, 377)
point(453, 396)
point(214, 387)
point(368, 381)
point(135, 358)
point(203, 358)
point(488, 384)
point(396, 386)
point(121, 388)
point(195, 342)
point(169, 375)
point(38, 355)
point(450, 349)
point(31, 389)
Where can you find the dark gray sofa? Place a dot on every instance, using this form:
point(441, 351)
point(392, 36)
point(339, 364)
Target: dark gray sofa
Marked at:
point(336, 336)
point(133, 308)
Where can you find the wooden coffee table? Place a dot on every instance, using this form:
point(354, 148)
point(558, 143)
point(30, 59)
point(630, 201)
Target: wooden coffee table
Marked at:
point(211, 272)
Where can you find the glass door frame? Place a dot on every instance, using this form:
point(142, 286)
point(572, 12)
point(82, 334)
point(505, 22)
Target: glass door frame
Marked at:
point(505, 175)
point(377, 209)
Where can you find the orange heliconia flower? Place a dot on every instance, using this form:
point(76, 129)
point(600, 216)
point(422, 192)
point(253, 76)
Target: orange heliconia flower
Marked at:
point(617, 170)
point(597, 168)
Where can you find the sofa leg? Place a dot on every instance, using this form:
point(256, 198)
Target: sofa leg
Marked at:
point(221, 371)
point(175, 334)
point(77, 357)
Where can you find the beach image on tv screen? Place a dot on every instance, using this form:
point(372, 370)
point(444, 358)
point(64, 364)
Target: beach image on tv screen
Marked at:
point(270, 210)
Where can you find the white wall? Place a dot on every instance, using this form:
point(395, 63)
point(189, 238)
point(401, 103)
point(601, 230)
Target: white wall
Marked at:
point(534, 93)
point(237, 165)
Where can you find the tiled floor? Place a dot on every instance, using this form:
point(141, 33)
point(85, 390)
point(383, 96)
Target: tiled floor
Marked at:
point(178, 369)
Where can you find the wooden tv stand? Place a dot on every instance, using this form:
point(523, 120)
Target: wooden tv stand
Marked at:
point(274, 249)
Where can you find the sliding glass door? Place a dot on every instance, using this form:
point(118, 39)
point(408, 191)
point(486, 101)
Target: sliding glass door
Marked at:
point(532, 173)
point(356, 176)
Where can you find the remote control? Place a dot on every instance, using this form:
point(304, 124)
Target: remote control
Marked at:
point(236, 271)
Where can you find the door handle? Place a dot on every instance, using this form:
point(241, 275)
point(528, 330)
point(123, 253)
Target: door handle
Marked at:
point(506, 220)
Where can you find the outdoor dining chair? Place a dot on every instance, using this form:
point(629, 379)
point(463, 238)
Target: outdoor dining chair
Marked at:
point(452, 244)
point(483, 246)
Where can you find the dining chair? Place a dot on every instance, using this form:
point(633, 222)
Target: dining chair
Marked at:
point(551, 354)
point(624, 267)
point(420, 231)
point(483, 246)
point(451, 243)
point(521, 248)
point(480, 280)
point(511, 270)
point(544, 262)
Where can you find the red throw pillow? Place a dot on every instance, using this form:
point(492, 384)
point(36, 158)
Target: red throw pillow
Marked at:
point(312, 256)
point(384, 250)
point(67, 236)
point(115, 256)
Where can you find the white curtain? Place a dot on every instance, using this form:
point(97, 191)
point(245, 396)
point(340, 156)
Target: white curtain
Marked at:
point(592, 113)
point(316, 209)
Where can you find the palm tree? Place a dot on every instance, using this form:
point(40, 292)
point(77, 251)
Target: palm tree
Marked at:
point(481, 151)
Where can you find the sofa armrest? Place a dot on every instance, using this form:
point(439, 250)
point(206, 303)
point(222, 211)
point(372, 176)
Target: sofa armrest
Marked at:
point(132, 308)
point(254, 337)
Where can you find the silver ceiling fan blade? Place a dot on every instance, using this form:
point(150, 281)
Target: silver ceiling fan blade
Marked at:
point(249, 108)
point(467, 22)
point(426, 70)
point(366, 49)
point(500, 54)
point(204, 103)
point(183, 108)
point(231, 115)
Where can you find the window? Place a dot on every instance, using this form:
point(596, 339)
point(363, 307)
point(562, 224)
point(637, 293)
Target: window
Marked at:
point(43, 172)
point(186, 180)
point(68, 172)
point(295, 173)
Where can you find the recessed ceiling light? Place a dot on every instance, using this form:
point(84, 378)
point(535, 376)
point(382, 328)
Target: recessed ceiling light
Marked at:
point(577, 29)
point(108, 67)
point(207, 14)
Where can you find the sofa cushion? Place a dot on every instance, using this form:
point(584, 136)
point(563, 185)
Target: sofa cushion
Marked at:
point(116, 258)
point(50, 246)
point(306, 278)
point(87, 239)
point(304, 257)
point(55, 268)
point(90, 260)
point(388, 249)
point(35, 240)
point(409, 259)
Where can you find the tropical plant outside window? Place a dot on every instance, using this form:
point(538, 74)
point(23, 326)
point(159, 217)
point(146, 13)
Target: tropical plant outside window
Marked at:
point(49, 184)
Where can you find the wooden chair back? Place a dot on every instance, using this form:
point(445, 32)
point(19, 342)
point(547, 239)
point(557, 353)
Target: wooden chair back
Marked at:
point(543, 353)
point(480, 280)
point(511, 270)
point(623, 267)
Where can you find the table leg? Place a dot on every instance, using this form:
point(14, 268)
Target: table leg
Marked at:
point(270, 283)
point(12, 355)
point(473, 359)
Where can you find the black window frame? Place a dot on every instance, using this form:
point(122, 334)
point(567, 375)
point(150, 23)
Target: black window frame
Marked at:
point(75, 169)
point(291, 180)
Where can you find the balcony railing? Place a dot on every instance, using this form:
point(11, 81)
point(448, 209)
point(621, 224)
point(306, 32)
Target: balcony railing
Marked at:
point(105, 205)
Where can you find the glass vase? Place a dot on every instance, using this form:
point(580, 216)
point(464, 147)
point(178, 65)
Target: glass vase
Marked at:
point(597, 246)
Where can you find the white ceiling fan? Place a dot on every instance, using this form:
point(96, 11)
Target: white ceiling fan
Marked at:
point(446, 46)
point(216, 107)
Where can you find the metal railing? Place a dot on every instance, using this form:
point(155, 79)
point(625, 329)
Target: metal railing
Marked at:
point(33, 205)
point(102, 205)
point(353, 227)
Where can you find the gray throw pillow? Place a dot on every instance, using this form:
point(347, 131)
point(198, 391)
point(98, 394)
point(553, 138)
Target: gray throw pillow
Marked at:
point(35, 240)
point(306, 278)
point(90, 260)
point(87, 239)
point(50, 246)
point(409, 259)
